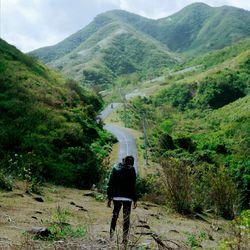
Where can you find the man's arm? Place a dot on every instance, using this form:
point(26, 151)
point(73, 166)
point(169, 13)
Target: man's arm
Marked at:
point(134, 188)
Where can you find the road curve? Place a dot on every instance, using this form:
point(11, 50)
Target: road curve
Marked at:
point(127, 144)
point(108, 110)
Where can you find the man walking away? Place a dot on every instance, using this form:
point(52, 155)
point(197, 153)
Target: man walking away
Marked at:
point(121, 189)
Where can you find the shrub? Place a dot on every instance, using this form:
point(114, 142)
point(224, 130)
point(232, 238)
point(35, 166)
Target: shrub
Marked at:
point(185, 143)
point(178, 95)
point(191, 188)
point(239, 233)
point(220, 89)
point(223, 192)
point(5, 182)
point(60, 228)
point(149, 188)
point(166, 142)
point(178, 184)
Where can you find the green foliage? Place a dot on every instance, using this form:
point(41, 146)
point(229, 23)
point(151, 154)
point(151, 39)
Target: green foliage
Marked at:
point(48, 127)
point(193, 188)
point(221, 89)
point(145, 185)
point(214, 91)
point(217, 137)
point(239, 233)
point(96, 77)
point(60, 233)
point(130, 54)
point(5, 182)
point(223, 192)
point(177, 95)
point(178, 183)
point(194, 240)
point(59, 227)
point(218, 56)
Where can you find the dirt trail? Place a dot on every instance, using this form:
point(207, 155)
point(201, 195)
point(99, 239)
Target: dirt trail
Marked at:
point(20, 211)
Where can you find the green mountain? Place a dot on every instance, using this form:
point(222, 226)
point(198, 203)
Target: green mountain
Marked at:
point(229, 55)
point(118, 43)
point(48, 127)
point(105, 49)
point(199, 124)
point(200, 28)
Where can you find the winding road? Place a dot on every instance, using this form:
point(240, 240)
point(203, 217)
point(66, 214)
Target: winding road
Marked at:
point(127, 144)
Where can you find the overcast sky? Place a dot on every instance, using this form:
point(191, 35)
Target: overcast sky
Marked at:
point(31, 24)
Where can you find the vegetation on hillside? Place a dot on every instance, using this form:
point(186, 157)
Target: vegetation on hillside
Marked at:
point(48, 128)
point(199, 133)
point(118, 43)
point(216, 57)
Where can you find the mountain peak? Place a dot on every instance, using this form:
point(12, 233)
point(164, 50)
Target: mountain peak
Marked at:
point(198, 4)
point(118, 42)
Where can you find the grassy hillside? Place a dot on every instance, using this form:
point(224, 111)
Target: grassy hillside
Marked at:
point(114, 50)
point(198, 131)
point(180, 30)
point(199, 28)
point(48, 128)
point(216, 57)
point(119, 43)
point(52, 53)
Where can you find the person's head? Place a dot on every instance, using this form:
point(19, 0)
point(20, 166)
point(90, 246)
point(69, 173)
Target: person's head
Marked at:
point(129, 160)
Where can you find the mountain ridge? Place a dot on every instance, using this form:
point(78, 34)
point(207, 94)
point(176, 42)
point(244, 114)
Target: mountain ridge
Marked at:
point(196, 29)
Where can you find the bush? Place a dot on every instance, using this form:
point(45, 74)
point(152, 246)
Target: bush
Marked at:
point(178, 184)
point(223, 192)
point(149, 188)
point(178, 95)
point(191, 188)
point(239, 233)
point(166, 142)
point(220, 89)
point(5, 182)
point(60, 228)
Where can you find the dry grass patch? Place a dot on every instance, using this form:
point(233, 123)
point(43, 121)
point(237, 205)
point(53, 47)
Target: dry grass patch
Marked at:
point(20, 211)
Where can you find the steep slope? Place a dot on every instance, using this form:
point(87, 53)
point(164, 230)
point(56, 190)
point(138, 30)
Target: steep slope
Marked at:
point(48, 127)
point(106, 49)
point(227, 55)
point(122, 51)
point(199, 28)
point(117, 42)
point(51, 53)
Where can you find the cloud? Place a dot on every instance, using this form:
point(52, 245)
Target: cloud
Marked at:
point(30, 24)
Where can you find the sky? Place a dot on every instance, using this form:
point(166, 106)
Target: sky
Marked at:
point(31, 24)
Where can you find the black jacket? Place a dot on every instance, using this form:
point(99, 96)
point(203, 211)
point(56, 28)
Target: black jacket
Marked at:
point(122, 182)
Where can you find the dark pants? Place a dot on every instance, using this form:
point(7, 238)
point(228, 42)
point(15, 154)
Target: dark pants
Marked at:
point(126, 217)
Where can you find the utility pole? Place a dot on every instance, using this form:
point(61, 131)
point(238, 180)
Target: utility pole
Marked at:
point(145, 136)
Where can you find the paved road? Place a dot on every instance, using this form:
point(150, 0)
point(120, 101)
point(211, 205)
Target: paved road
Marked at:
point(127, 144)
point(164, 77)
point(108, 110)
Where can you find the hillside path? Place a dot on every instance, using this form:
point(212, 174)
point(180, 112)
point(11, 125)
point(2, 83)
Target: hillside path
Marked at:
point(127, 144)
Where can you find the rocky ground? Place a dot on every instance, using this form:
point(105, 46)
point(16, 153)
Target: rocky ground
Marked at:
point(152, 226)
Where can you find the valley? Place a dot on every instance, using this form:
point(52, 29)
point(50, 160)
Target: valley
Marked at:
point(173, 92)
